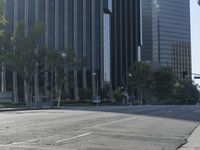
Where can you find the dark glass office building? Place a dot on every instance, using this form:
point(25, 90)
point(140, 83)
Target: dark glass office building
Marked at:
point(147, 44)
point(125, 38)
point(97, 30)
point(166, 32)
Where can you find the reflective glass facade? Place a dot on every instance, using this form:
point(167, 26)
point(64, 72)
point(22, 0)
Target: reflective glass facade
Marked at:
point(71, 24)
point(107, 71)
point(125, 38)
point(164, 23)
point(147, 30)
point(85, 26)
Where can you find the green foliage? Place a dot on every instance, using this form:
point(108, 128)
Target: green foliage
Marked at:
point(141, 79)
point(85, 94)
point(161, 84)
point(1, 7)
point(11, 105)
point(118, 95)
point(164, 81)
point(105, 92)
point(4, 36)
point(141, 75)
point(23, 52)
point(3, 23)
point(185, 93)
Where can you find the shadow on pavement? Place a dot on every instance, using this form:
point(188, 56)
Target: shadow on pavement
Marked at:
point(189, 113)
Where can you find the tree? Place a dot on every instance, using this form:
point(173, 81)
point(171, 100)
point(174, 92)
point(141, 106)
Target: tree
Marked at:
point(3, 46)
point(118, 95)
point(141, 76)
point(58, 64)
point(164, 81)
point(24, 58)
point(1, 7)
point(50, 61)
point(38, 31)
point(185, 93)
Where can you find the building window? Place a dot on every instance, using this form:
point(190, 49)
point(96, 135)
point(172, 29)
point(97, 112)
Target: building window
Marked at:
point(107, 48)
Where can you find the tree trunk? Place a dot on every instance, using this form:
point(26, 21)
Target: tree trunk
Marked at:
point(51, 88)
point(36, 83)
point(55, 82)
point(67, 80)
point(76, 96)
point(141, 93)
point(46, 79)
point(84, 77)
point(36, 87)
point(15, 88)
point(3, 77)
point(26, 93)
point(26, 88)
point(59, 98)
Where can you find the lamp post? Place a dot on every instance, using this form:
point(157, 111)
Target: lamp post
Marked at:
point(97, 88)
point(129, 75)
point(64, 56)
point(36, 81)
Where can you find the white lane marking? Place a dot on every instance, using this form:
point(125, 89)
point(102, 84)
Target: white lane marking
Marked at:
point(197, 111)
point(72, 138)
point(31, 140)
point(143, 118)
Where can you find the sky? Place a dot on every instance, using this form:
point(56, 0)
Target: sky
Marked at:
point(195, 36)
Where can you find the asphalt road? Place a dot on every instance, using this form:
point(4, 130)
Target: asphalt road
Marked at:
point(108, 128)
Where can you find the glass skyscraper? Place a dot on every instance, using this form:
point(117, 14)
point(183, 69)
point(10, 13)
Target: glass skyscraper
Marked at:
point(125, 38)
point(92, 28)
point(71, 24)
point(147, 30)
point(166, 24)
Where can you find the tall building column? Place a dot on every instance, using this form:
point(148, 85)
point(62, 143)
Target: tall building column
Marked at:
point(56, 24)
point(3, 67)
point(84, 45)
point(126, 36)
point(93, 52)
point(15, 83)
point(101, 48)
point(46, 75)
point(26, 84)
point(3, 75)
point(76, 92)
point(121, 40)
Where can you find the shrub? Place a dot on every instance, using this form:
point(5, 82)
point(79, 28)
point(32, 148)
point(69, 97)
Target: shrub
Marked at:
point(85, 94)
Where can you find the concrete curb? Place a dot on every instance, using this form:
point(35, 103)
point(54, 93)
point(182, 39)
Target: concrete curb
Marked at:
point(22, 109)
point(63, 108)
point(193, 143)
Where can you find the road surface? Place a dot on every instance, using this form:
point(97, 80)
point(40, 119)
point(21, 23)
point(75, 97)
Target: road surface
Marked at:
point(105, 128)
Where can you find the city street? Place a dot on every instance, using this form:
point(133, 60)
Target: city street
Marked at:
point(103, 128)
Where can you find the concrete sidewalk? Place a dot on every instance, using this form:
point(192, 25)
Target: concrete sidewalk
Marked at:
point(193, 141)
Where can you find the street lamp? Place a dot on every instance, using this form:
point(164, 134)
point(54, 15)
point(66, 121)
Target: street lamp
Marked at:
point(97, 88)
point(125, 80)
point(64, 55)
